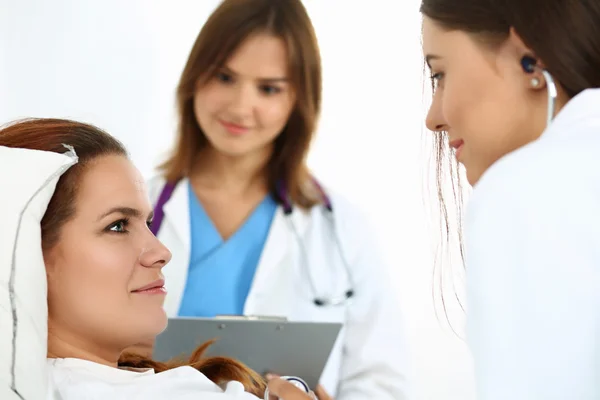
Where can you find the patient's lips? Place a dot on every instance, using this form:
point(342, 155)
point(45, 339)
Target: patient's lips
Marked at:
point(156, 287)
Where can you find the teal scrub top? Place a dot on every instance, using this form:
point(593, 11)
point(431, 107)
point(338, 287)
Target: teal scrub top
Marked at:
point(221, 271)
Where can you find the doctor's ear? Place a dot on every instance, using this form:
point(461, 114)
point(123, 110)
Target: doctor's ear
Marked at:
point(531, 66)
point(535, 77)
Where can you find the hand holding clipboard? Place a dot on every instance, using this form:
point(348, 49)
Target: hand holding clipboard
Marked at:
point(284, 389)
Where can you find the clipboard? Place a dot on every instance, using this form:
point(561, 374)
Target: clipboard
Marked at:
point(265, 344)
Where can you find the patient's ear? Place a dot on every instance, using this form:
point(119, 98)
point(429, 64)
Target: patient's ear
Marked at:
point(50, 262)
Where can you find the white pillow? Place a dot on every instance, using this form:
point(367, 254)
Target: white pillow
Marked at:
point(27, 181)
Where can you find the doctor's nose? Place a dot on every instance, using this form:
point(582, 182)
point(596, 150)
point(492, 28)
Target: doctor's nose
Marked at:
point(242, 101)
point(435, 119)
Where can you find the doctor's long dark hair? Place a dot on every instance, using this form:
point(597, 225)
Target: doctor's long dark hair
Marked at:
point(564, 35)
point(90, 143)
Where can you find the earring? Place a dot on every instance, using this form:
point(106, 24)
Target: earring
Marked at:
point(535, 82)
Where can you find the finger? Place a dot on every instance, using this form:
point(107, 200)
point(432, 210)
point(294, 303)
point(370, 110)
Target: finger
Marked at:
point(284, 389)
point(322, 394)
point(270, 376)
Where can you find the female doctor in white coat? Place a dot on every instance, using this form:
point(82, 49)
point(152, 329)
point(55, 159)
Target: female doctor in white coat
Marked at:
point(251, 232)
point(517, 98)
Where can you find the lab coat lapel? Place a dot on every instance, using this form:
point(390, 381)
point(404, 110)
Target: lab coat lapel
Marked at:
point(273, 288)
point(175, 234)
point(577, 115)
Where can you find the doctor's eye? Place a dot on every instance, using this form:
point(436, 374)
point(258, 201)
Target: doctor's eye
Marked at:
point(224, 77)
point(270, 89)
point(119, 226)
point(436, 79)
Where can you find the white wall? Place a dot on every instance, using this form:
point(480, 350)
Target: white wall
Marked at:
point(115, 63)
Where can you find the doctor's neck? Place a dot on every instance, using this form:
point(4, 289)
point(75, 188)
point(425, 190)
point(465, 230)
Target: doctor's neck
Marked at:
point(236, 174)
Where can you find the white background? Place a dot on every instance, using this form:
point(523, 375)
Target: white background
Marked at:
point(116, 63)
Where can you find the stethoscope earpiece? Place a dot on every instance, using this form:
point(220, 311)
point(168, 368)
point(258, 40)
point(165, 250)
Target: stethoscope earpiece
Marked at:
point(528, 63)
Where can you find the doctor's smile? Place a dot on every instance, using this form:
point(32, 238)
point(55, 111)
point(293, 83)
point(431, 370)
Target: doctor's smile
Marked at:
point(457, 145)
point(234, 129)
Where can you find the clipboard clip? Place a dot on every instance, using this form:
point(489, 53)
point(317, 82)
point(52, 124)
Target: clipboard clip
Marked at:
point(252, 318)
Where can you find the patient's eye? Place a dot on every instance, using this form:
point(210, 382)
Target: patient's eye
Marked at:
point(119, 226)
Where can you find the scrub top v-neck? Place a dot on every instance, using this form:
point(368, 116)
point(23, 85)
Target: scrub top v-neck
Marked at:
point(221, 271)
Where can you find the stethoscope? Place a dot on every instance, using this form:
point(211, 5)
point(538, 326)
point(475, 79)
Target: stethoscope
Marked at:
point(299, 383)
point(320, 301)
point(529, 65)
point(282, 194)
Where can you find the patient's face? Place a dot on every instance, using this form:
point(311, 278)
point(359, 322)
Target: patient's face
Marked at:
point(106, 252)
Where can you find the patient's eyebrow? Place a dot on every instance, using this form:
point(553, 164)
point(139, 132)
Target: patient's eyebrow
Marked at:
point(126, 211)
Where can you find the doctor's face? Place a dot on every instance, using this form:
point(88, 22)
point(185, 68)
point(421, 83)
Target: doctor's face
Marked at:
point(482, 98)
point(246, 105)
point(104, 259)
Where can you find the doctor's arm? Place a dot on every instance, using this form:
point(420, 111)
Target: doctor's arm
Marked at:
point(376, 362)
point(532, 290)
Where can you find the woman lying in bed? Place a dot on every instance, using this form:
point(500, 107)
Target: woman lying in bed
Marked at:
point(105, 287)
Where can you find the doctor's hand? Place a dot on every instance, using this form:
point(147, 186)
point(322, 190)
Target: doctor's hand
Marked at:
point(284, 390)
point(280, 388)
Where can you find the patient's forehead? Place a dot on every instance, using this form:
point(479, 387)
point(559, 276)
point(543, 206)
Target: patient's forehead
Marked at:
point(111, 181)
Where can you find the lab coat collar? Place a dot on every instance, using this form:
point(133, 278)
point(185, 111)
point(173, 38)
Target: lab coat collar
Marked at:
point(177, 212)
point(580, 110)
point(175, 234)
point(274, 278)
point(271, 284)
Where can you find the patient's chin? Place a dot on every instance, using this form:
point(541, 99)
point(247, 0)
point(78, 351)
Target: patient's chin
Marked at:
point(151, 323)
point(164, 321)
point(146, 332)
point(159, 322)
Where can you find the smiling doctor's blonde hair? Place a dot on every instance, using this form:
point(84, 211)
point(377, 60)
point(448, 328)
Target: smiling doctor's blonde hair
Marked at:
point(90, 143)
point(225, 30)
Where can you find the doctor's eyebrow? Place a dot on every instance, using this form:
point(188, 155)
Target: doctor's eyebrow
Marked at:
point(126, 211)
point(430, 57)
point(282, 79)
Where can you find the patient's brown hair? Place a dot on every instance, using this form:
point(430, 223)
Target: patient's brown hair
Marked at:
point(218, 369)
point(90, 143)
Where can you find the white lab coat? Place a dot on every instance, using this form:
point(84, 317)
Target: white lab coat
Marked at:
point(533, 264)
point(369, 360)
